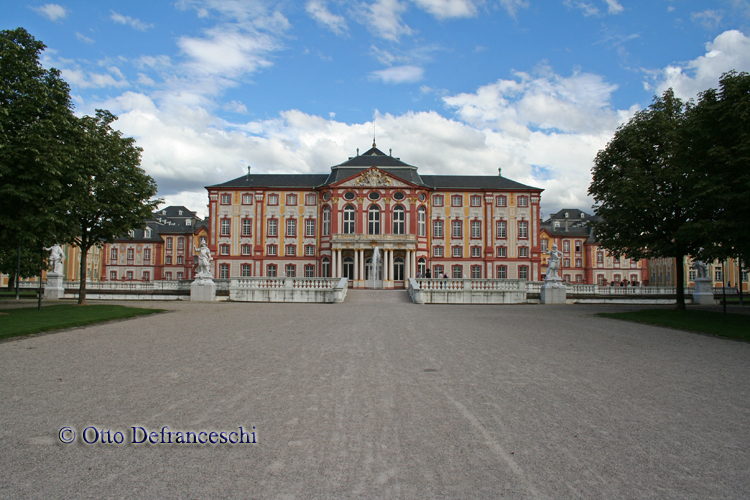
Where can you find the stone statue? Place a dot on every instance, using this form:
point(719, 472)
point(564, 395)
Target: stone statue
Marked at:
point(701, 269)
point(204, 258)
point(553, 264)
point(56, 258)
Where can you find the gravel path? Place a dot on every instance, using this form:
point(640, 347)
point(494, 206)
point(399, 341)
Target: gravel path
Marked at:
point(378, 398)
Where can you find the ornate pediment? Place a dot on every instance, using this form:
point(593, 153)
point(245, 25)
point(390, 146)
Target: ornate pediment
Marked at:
point(373, 178)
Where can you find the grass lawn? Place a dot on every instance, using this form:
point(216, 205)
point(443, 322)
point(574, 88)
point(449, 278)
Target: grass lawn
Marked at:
point(734, 326)
point(23, 321)
point(24, 294)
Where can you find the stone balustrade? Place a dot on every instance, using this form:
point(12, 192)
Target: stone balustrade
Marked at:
point(328, 290)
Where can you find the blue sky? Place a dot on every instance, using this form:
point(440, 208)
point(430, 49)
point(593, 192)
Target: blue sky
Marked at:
point(535, 88)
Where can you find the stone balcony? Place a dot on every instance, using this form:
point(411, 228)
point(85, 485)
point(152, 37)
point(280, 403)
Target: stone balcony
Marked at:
point(369, 241)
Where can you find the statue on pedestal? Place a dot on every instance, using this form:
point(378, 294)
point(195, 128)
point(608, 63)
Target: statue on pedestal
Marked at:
point(553, 264)
point(204, 259)
point(701, 269)
point(56, 258)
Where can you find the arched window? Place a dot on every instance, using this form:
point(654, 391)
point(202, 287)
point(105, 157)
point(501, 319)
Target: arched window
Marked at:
point(421, 221)
point(325, 271)
point(349, 268)
point(326, 220)
point(422, 266)
point(398, 220)
point(349, 219)
point(398, 269)
point(373, 220)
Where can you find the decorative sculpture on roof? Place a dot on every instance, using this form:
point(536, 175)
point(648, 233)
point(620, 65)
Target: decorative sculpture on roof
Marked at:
point(373, 178)
point(56, 256)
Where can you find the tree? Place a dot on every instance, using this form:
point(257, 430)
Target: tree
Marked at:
point(718, 148)
point(36, 150)
point(113, 194)
point(9, 263)
point(642, 188)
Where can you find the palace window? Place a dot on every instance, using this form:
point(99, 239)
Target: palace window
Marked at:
point(309, 271)
point(326, 220)
point(545, 245)
point(476, 272)
point(310, 228)
point(456, 229)
point(179, 260)
point(168, 260)
point(310, 250)
point(291, 199)
point(523, 229)
point(398, 269)
point(247, 227)
point(226, 199)
point(600, 279)
point(566, 246)
point(437, 229)
point(501, 201)
point(437, 271)
point(290, 250)
point(523, 201)
point(131, 254)
point(271, 270)
point(421, 221)
point(457, 200)
point(291, 227)
point(566, 278)
point(224, 249)
point(599, 257)
point(291, 271)
point(326, 268)
point(502, 229)
point(398, 220)
point(566, 262)
point(502, 252)
point(224, 227)
point(247, 199)
point(579, 278)
point(169, 244)
point(578, 245)
point(224, 271)
point(373, 220)
point(273, 228)
point(476, 201)
point(437, 251)
point(616, 278)
point(146, 254)
point(458, 272)
point(422, 266)
point(168, 276)
point(502, 272)
point(271, 250)
point(457, 252)
point(246, 250)
point(718, 276)
point(349, 219)
point(476, 252)
point(180, 244)
point(523, 272)
point(147, 232)
point(310, 199)
point(246, 270)
point(146, 276)
point(348, 268)
point(579, 263)
point(113, 275)
point(523, 251)
point(273, 199)
point(476, 229)
point(437, 201)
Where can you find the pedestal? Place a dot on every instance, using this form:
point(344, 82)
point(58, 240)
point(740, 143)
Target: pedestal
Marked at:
point(704, 292)
point(203, 290)
point(554, 292)
point(54, 289)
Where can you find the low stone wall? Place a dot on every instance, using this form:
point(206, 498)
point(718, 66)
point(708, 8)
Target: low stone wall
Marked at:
point(326, 290)
point(467, 291)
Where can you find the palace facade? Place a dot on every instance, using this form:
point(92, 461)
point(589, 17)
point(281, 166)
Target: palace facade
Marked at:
point(376, 221)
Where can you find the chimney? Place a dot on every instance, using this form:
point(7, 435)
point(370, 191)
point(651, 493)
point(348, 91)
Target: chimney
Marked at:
point(248, 172)
point(357, 151)
point(500, 172)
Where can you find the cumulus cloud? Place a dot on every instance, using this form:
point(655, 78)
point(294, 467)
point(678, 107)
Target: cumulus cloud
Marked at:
point(89, 79)
point(134, 23)
point(728, 51)
point(318, 10)
point(383, 18)
point(443, 9)
point(51, 11)
point(613, 7)
point(399, 74)
point(228, 53)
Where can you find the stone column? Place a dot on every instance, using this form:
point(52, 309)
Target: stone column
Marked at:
point(407, 266)
point(333, 264)
point(390, 265)
point(356, 265)
point(362, 264)
point(340, 263)
point(413, 263)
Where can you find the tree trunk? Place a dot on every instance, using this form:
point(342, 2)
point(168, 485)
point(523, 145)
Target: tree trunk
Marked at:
point(680, 276)
point(84, 247)
point(12, 281)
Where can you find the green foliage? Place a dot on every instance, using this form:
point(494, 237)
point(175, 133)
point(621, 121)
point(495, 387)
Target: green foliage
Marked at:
point(735, 326)
point(24, 321)
point(30, 261)
point(36, 147)
point(642, 188)
point(112, 194)
point(718, 147)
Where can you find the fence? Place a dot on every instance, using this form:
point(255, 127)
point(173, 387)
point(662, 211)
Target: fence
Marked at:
point(326, 290)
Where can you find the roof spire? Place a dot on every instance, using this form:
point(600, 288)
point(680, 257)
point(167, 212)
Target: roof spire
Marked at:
point(373, 133)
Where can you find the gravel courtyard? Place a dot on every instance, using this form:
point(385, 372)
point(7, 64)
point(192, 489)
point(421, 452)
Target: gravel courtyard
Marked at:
point(376, 398)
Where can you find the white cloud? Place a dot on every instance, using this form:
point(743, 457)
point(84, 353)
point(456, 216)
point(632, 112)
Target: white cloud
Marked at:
point(709, 19)
point(613, 7)
point(83, 38)
point(383, 19)
point(729, 51)
point(443, 9)
point(134, 23)
point(512, 6)
point(236, 107)
point(228, 53)
point(318, 10)
point(399, 74)
point(83, 79)
point(52, 11)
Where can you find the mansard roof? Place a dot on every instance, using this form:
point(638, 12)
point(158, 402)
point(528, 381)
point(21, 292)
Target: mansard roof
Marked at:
point(274, 181)
point(473, 182)
point(374, 158)
point(339, 174)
